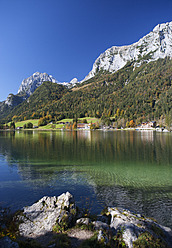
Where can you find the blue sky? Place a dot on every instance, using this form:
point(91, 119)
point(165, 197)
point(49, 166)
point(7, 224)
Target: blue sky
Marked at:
point(64, 37)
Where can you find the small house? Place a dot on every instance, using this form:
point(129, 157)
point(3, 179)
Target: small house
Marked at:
point(83, 126)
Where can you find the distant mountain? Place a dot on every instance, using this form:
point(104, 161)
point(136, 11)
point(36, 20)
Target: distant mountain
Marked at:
point(155, 45)
point(27, 88)
point(11, 102)
point(29, 85)
point(46, 94)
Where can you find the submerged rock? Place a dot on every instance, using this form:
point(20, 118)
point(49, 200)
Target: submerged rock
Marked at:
point(6, 242)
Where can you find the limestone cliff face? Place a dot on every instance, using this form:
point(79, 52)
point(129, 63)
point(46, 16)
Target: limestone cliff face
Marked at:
point(157, 44)
point(29, 85)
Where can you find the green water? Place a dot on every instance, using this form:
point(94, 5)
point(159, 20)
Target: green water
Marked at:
point(127, 169)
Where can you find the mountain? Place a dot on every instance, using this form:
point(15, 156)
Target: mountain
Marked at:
point(27, 88)
point(131, 93)
point(29, 85)
point(46, 94)
point(11, 102)
point(128, 82)
point(155, 45)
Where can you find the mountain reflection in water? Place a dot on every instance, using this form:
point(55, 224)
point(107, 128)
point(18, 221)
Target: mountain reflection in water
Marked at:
point(117, 168)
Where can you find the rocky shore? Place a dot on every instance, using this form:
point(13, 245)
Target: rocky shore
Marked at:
point(58, 222)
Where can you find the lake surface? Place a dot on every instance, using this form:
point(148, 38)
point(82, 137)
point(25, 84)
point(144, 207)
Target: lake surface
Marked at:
point(127, 169)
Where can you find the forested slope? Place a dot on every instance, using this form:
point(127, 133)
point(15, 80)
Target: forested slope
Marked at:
point(130, 93)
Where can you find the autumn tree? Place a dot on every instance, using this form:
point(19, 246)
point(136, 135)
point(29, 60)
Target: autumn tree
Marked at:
point(118, 112)
point(42, 122)
point(14, 118)
point(127, 124)
point(97, 114)
point(92, 126)
point(74, 126)
point(132, 123)
point(69, 126)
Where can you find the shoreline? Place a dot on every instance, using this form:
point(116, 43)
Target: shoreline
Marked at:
point(100, 129)
point(50, 217)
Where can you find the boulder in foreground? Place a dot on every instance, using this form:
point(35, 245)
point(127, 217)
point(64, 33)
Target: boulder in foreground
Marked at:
point(115, 227)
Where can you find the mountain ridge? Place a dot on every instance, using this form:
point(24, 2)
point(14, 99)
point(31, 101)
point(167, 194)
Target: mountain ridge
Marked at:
point(159, 42)
point(155, 46)
point(29, 85)
point(143, 93)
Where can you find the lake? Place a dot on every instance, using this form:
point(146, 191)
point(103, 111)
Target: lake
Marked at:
point(128, 169)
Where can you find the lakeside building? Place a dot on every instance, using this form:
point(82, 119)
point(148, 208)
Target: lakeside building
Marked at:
point(147, 125)
point(84, 126)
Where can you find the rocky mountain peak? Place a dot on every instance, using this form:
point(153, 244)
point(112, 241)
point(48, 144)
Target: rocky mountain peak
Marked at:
point(163, 27)
point(157, 44)
point(29, 84)
point(74, 81)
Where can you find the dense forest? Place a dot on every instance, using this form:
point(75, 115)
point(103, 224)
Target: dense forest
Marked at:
point(132, 93)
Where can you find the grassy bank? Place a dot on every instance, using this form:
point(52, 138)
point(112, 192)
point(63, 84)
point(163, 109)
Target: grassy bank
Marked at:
point(57, 125)
point(22, 123)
